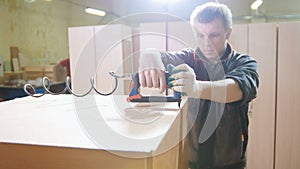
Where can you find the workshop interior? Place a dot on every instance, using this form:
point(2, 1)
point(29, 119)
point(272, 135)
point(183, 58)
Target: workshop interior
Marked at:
point(56, 52)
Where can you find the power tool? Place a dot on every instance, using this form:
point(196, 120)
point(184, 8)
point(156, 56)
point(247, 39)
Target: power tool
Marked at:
point(135, 96)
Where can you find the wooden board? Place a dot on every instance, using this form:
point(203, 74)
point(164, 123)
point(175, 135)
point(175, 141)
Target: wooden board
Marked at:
point(53, 132)
point(288, 91)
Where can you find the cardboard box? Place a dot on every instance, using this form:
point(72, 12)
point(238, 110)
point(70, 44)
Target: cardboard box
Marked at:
point(33, 72)
point(14, 58)
point(55, 73)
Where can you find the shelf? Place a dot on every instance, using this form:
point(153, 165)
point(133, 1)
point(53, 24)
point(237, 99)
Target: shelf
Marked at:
point(13, 73)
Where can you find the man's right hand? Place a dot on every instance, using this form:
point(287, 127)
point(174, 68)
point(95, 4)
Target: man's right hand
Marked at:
point(153, 78)
point(152, 70)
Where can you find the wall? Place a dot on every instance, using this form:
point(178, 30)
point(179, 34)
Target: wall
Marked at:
point(39, 29)
point(7, 28)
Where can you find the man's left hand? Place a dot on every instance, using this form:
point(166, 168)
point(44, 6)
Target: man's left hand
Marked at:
point(184, 81)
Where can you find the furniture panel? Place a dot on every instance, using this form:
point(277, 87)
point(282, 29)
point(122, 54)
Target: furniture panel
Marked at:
point(82, 57)
point(113, 53)
point(262, 46)
point(96, 50)
point(180, 36)
point(91, 132)
point(288, 91)
point(239, 38)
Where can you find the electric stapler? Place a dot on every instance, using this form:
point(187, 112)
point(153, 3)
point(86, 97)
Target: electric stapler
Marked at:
point(135, 96)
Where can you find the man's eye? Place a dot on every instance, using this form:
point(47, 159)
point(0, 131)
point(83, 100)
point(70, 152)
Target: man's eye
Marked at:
point(214, 35)
point(201, 36)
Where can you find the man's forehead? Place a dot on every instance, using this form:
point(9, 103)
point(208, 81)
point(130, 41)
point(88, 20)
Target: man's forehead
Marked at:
point(210, 27)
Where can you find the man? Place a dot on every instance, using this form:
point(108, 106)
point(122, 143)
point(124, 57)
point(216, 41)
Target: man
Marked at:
point(220, 80)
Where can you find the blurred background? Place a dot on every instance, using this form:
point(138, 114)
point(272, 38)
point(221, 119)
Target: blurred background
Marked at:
point(39, 27)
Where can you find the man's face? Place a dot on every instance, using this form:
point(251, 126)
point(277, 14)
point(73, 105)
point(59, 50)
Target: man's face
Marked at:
point(211, 38)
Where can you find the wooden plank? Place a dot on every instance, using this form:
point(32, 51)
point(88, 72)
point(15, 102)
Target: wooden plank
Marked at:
point(239, 38)
point(82, 57)
point(20, 156)
point(55, 138)
point(262, 46)
point(288, 116)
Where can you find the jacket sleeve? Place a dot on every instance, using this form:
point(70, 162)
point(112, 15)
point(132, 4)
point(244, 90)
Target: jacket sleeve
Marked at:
point(245, 73)
point(179, 57)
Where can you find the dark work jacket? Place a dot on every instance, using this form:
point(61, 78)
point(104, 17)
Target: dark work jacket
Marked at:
point(221, 129)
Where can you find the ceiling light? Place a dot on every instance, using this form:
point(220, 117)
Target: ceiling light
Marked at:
point(256, 4)
point(29, 1)
point(166, 1)
point(95, 12)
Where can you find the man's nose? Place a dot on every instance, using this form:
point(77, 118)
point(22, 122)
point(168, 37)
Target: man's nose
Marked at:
point(207, 42)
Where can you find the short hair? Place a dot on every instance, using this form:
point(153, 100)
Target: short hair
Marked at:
point(208, 12)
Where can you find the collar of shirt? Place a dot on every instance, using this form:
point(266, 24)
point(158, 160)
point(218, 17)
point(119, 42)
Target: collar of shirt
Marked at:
point(199, 55)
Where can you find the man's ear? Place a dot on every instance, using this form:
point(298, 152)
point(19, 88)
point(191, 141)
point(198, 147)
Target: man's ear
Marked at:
point(228, 33)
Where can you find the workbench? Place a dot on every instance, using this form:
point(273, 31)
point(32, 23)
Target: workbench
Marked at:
point(65, 131)
point(12, 92)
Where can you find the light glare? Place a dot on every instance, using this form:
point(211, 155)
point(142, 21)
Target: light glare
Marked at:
point(256, 4)
point(165, 1)
point(95, 12)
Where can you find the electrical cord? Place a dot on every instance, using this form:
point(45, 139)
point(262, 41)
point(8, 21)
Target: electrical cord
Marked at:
point(30, 90)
